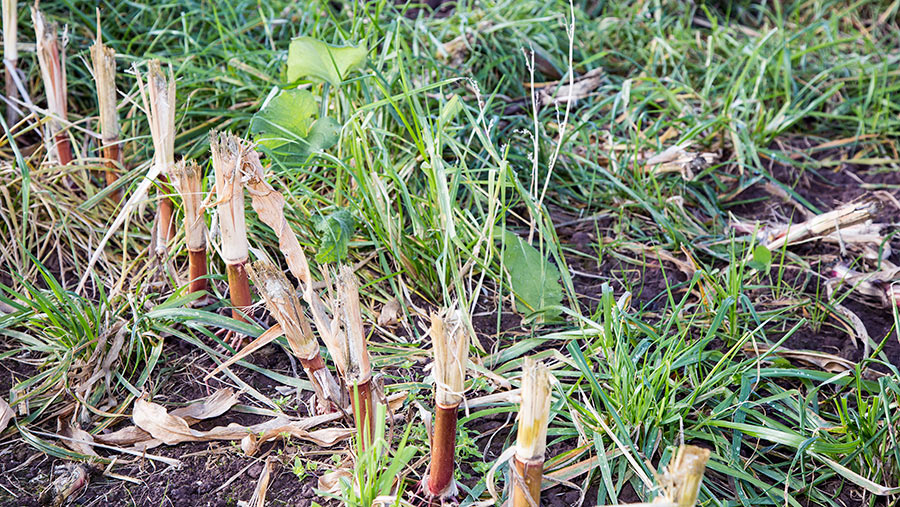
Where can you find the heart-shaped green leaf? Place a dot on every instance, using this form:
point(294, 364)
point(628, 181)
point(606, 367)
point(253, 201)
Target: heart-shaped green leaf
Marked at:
point(311, 58)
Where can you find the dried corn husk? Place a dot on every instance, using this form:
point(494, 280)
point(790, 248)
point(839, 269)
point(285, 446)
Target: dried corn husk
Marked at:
point(269, 205)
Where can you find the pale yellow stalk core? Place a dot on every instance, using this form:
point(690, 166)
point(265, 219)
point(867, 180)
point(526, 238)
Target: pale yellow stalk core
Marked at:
point(227, 155)
point(682, 478)
point(282, 302)
point(10, 27)
point(186, 177)
point(347, 311)
point(52, 61)
point(103, 59)
point(531, 440)
point(450, 342)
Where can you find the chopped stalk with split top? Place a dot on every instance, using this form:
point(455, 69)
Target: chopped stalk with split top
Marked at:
point(52, 61)
point(352, 355)
point(450, 343)
point(227, 159)
point(160, 105)
point(680, 482)
point(104, 62)
point(10, 57)
point(531, 439)
point(282, 302)
point(186, 177)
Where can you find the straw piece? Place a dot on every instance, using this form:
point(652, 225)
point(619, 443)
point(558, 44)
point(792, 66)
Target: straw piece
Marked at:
point(826, 223)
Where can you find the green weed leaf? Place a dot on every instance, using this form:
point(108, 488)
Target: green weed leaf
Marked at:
point(308, 57)
point(335, 231)
point(286, 127)
point(762, 258)
point(534, 280)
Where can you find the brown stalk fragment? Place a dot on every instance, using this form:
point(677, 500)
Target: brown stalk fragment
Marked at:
point(103, 59)
point(531, 439)
point(52, 61)
point(282, 302)
point(186, 178)
point(450, 342)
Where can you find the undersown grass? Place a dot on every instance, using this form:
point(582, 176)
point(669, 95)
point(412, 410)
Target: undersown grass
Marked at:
point(660, 321)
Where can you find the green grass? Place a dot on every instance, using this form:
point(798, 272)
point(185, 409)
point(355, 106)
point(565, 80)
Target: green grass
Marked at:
point(437, 168)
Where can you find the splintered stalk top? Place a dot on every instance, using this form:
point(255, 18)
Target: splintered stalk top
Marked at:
point(10, 24)
point(161, 113)
point(227, 154)
point(683, 476)
point(52, 61)
point(104, 62)
point(282, 302)
point(185, 177)
point(535, 411)
point(450, 340)
point(357, 369)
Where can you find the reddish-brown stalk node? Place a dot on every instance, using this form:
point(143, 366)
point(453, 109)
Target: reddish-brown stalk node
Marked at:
point(64, 148)
point(113, 155)
point(443, 448)
point(197, 271)
point(363, 411)
point(239, 285)
point(530, 473)
point(166, 216)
